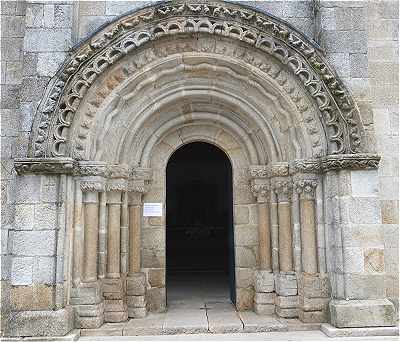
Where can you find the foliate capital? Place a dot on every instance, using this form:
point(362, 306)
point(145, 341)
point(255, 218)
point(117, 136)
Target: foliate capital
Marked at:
point(282, 187)
point(306, 187)
point(261, 189)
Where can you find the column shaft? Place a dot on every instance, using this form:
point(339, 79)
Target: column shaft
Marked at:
point(134, 239)
point(264, 236)
point(78, 236)
point(102, 234)
point(285, 237)
point(114, 236)
point(308, 236)
point(91, 236)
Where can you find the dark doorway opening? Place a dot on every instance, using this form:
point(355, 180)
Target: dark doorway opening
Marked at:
point(200, 248)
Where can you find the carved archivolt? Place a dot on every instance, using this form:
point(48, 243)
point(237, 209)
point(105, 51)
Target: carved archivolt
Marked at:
point(56, 113)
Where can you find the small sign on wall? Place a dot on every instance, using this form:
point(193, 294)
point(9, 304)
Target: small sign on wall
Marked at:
point(152, 209)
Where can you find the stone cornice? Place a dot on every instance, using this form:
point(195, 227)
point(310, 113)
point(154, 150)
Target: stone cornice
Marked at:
point(45, 165)
point(358, 161)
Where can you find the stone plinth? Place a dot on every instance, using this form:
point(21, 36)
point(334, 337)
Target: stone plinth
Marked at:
point(362, 313)
point(136, 295)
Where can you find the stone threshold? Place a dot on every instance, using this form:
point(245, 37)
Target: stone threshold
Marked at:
point(154, 324)
point(72, 336)
point(331, 331)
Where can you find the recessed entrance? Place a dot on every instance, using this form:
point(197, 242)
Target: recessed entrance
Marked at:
point(200, 248)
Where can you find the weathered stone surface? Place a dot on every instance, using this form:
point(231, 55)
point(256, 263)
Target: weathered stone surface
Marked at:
point(136, 301)
point(264, 309)
point(264, 281)
point(156, 299)
point(313, 316)
point(332, 331)
point(362, 313)
point(314, 286)
point(96, 310)
point(264, 298)
point(41, 323)
point(287, 302)
point(89, 322)
point(286, 284)
point(136, 284)
point(287, 313)
point(137, 312)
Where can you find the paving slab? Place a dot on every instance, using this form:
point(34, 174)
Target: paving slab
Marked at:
point(223, 318)
point(332, 331)
point(185, 321)
point(256, 323)
point(150, 325)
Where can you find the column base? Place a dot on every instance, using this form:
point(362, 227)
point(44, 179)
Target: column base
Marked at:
point(331, 331)
point(136, 295)
point(89, 316)
point(313, 298)
point(115, 307)
point(41, 323)
point(362, 313)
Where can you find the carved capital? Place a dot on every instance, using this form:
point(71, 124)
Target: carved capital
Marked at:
point(357, 161)
point(278, 169)
point(139, 186)
point(258, 171)
point(141, 173)
point(305, 166)
point(260, 189)
point(117, 171)
point(117, 184)
point(91, 168)
point(92, 185)
point(44, 165)
point(306, 188)
point(283, 189)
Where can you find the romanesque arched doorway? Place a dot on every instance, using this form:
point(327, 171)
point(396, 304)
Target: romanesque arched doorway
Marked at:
point(199, 225)
point(175, 73)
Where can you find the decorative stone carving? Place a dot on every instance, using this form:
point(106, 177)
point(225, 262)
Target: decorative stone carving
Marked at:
point(305, 166)
point(278, 169)
point(349, 161)
point(91, 168)
point(283, 189)
point(259, 171)
point(265, 33)
point(92, 186)
point(44, 165)
point(306, 187)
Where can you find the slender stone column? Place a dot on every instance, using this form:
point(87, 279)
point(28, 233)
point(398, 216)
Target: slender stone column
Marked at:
point(78, 236)
point(114, 233)
point(286, 280)
point(264, 279)
point(306, 189)
point(124, 233)
point(136, 281)
point(91, 214)
point(282, 189)
point(134, 238)
point(87, 298)
point(102, 235)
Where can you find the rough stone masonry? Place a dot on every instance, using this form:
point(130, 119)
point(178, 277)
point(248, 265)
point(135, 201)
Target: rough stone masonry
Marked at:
point(302, 96)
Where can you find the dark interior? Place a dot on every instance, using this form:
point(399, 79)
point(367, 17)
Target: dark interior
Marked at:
point(199, 211)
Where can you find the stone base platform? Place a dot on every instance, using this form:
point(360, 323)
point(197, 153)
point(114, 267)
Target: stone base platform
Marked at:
point(222, 321)
point(72, 336)
point(331, 331)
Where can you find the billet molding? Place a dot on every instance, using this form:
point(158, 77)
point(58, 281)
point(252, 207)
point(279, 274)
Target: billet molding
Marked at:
point(270, 35)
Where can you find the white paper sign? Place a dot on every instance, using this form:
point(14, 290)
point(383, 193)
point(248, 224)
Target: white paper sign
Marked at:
point(152, 209)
